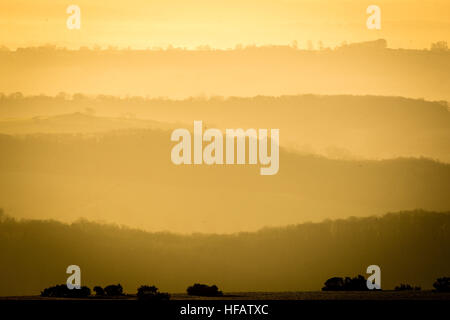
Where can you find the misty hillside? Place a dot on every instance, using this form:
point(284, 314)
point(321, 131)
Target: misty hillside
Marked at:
point(410, 247)
point(75, 123)
point(127, 177)
point(345, 127)
point(273, 70)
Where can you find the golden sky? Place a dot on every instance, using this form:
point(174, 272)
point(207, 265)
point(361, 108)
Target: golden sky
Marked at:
point(221, 24)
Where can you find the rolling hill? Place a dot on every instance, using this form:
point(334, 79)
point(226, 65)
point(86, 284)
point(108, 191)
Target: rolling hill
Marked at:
point(410, 247)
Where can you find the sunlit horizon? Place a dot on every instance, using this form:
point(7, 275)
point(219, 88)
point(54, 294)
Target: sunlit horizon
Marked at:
point(188, 24)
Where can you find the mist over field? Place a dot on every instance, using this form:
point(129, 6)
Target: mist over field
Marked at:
point(112, 113)
point(343, 127)
point(118, 169)
point(94, 142)
point(356, 69)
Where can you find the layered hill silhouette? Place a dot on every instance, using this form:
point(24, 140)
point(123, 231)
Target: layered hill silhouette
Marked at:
point(76, 122)
point(344, 127)
point(409, 247)
point(127, 177)
point(367, 68)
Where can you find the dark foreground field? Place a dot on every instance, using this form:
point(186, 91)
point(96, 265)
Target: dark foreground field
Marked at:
point(301, 296)
point(242, 305)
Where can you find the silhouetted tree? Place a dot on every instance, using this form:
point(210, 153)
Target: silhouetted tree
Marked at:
point(358, 283)
point(114, 290)
point(204, 290)
point(99, 291)
point(442, 284)
point(151, 293)
point(334, 284)
point(439, 46)
point(61, 291)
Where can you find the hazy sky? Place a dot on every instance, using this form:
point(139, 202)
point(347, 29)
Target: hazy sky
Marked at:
point(221, 24)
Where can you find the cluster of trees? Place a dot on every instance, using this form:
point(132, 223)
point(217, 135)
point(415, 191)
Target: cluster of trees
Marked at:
point(359, 283)
point(113, 290)
point(144, 292)
point(151, 293)
point(442, 284)
point(61, 291)
point(204, 290)
point(440, 46)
